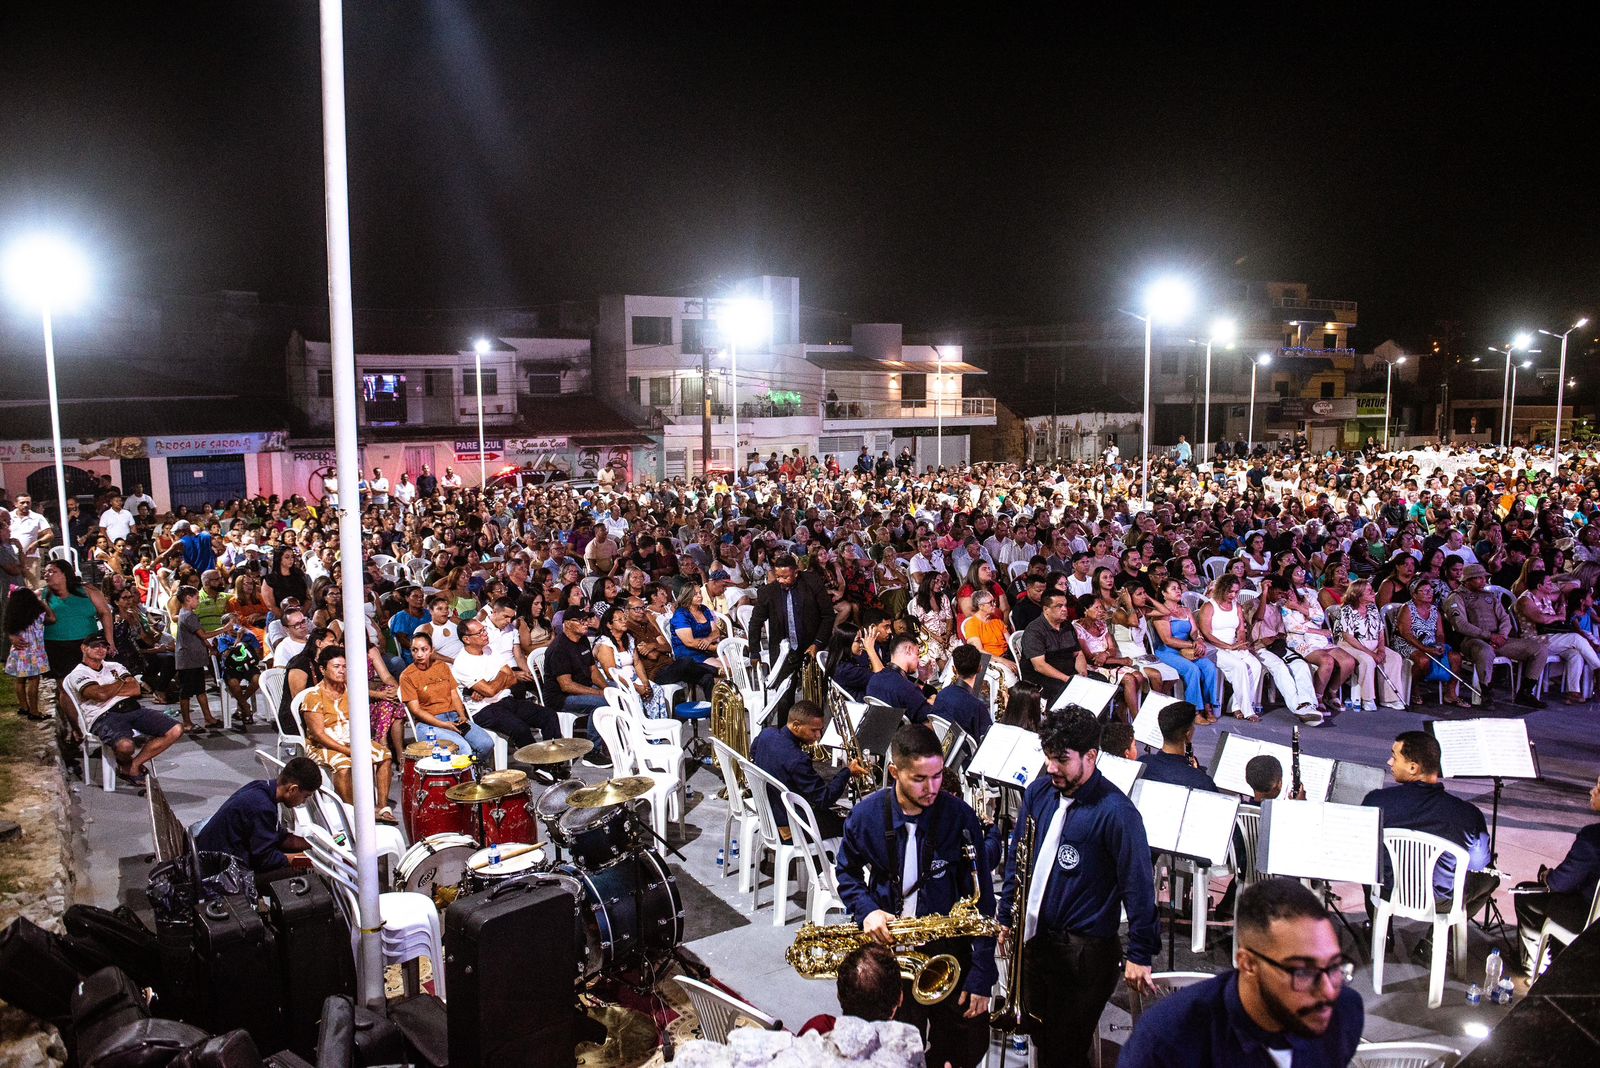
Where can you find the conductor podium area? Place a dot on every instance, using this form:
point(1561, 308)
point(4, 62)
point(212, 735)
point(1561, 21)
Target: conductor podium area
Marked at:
point(744, 950)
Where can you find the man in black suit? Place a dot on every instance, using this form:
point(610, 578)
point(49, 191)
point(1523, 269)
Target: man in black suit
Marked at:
point(792, 610)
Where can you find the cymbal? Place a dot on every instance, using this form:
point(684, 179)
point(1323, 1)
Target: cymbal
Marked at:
point(631, 1038)
point(517, 780)
point(422, 750)
point(612, 792)
point(474, 793)
point(555, 751)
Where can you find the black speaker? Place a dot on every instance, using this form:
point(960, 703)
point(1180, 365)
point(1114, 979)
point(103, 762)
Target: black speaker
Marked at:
point(510, 967)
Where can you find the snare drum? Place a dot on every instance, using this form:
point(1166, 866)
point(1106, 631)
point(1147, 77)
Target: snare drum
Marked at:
point(481, 874)
point(415, 752)
point(595, 836)
point(632, 912)
point(506, 819)
point(437, 866)
point(552, 802)
point(431, 811)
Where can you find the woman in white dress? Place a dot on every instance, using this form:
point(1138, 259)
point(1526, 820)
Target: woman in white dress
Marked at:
point(614, 652)
point(1222, 628)
point(1358, 625)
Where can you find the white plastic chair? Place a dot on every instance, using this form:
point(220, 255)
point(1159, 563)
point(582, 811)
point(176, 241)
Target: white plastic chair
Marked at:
point(270, 693)
point(1192, 601)
point(410, 921)
point(1165, 983)
point(741, 616)
point(1017, 567)
point(1014, 643)
point(298, 741)
point(225, 700)
point(719, 1012)
point(735, 656)
point(91, 743)
point(416, 568)
point(741, 812)
point(1214, 566)
point(1413, 856)
point(664, 736)
point(1404, 1055)
point(623, 744)
point(327, 810)
point(762, 789)
point(822, 891)
point(1555, 932)
point(68, 553)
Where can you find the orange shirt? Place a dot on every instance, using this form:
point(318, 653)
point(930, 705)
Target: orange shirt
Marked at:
point(433, 689)
point(990, 635)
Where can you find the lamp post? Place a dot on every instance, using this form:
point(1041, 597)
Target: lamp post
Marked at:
point(1521, 341)
point(1260, 361)
point(1170, 300)
point(48, 275)
point(744, 322)
point(1223, 331)
point(1561, 384)
point(480, 347)
point(1388, 382)
point(938, 405)
point(1511, 408)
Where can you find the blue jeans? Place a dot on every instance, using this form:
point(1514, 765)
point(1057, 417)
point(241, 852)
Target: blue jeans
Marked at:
point(480, 740)
point(581, 704)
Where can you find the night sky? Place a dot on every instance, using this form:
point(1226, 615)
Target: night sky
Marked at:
point(907, 168)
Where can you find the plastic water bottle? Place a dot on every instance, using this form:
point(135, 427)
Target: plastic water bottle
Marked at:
point(1505, 992)
point(1474, 995)
point(1019, 1045)
point(1493, 969)
point(721, 859)
point(435, 750)
point(736, 849)
point(494, 856)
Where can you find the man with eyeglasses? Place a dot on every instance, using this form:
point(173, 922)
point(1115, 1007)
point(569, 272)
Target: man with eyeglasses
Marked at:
point(1287, 1002)
point(296, 630)
point(486, 682)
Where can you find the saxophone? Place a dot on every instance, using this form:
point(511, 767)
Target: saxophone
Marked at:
point(1009, 1016)
point(819, 950)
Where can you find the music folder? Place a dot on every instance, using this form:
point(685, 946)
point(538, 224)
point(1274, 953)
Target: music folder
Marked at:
point(1147, 724)
point(1484, 748)
point(831, 738)
point(1122, 772)
point(1190, 823)
point(1352, 782)
point(877, 728)
point(1010, 756)
point(1234, 751)
point(1092, 694)
point(1320, 840)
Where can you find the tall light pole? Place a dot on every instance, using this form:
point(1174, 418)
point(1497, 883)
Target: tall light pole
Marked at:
point(480, 347)
point(1388, 383)
point(1521, 341)
point(1223, 332)
point(1260, 361)
point(1561, 384)
point(745, 322)
point(938, 404)
point(48, 275)
point(1511, 409)
point(1169, 300)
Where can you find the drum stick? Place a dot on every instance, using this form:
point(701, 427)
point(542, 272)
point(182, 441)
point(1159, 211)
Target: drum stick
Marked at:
point(516, 851)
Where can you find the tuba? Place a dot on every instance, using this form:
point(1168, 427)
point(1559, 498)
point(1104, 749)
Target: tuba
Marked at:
point(730, 723)
point(818, 950)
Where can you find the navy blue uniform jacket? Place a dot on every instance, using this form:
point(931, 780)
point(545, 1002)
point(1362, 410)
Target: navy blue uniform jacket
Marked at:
point(1581, 870)
point(246, 826)
point(1206, 1025)
point(1101, 866)
point(1174, 768)
point(893, 688)
point(867, 873)
point(777, 752)
point(965, 709)
point(1426, 807)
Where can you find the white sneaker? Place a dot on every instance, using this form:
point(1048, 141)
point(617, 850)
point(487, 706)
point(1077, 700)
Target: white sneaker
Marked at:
point(1308, 714)
point(1368, 706)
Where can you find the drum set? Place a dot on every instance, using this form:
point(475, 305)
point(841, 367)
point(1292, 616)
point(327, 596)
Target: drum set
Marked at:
point(473, 833)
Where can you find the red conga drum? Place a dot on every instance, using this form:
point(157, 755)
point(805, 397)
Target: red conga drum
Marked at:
point(431, 811)
point(507, 819)
point(408, 775)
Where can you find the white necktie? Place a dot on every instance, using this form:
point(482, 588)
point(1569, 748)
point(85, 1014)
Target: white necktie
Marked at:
point(908, 873)
point(1044, 867)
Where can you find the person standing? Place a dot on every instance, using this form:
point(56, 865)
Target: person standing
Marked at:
point(787, 609)
point(905, 853)
point(1090, 861)
point(34, 536)
point(1286, 1001)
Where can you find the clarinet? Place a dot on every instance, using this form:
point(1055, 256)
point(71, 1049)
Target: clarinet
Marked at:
point(1296, 787)
point(1188, 752)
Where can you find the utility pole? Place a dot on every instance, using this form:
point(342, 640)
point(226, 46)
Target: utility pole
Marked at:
point(705, 384)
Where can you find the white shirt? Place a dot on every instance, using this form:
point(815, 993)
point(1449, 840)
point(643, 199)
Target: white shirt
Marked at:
point(921, 564)
point(117, 524)
point(446, 638)
point(132, 503)
point(28, 529)
point(473, 668)
point(81, 676)
point(1078, 587)
point(405, 492)
point(285, 651)
point(450, 482)
point(1466, 553)
point(501, 644)
point(379, 488)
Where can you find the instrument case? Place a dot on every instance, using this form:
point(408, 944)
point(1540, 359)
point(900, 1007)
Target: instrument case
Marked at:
point(315, 960)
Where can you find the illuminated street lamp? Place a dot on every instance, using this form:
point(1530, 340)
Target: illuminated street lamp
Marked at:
point(744, 322)
point(1521, 341)
point(1260, 361)
point(48, 275)
point(1169, 300)
point(1511, 409)
point(1561, 383)
point(1223, 332)
point(480, 347)
point(1387, 383)
point(941, 354)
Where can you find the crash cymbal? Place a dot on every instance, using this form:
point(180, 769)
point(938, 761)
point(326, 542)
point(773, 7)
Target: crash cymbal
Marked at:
point(517, 780)
point(555, 751)
point(423, 750)
point(613, 792)
point(475, 793)
point(631, 1038)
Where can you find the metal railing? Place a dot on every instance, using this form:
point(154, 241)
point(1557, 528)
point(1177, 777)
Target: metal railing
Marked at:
point(1315, 302)
point(949, 408)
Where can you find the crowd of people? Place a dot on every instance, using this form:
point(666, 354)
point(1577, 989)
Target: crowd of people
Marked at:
point(974, 594)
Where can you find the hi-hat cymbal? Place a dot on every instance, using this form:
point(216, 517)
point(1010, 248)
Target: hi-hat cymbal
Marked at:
point(473, 793)
point(555, 751)
point(612, 792)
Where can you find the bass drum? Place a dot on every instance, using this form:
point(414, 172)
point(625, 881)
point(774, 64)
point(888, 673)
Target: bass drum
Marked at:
point(632, 912)
point(437, 866)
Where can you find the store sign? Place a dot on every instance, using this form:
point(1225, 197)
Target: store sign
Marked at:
point(516, 445)
point(216, 444)
point(467, 449)
point(42, 451)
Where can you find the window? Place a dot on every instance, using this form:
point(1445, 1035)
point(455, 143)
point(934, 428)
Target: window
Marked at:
point(1289, 340)
point(633, 387)
point(652, 329)
point(696, 333)
point(1327, 391)
point(491, 382)
point(1281, 388)
point(436, 382)
point(544, 383)
point(913, 390)
point(384, 394)
point(324, 383)
point(660, 392)
point(1330, 341)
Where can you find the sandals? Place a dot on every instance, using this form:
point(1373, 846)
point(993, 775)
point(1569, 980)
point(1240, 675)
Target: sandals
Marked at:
point(137, 781)
point(386, 815)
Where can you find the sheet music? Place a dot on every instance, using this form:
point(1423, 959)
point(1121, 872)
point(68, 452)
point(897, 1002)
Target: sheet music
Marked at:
point(1485, 748)
point(831, 738)
point(1352, 782)
point(1236, 750)
point(1321, 840)
point(1207, 825)
point(1008, 755)
point(1086, 693)
point(1147, 724)
point(1122, 772)
point(1161, 806)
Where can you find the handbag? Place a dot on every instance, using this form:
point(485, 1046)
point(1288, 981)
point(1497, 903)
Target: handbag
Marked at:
point(178, 885)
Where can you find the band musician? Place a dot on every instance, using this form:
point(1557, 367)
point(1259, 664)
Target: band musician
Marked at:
point(782, 753)
point(1090, 861)
point(903, 854)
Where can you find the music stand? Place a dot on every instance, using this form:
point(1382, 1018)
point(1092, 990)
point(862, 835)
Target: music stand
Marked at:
point(1121, 771)
point(1092, 694)
point(1234, 751)
point(1009, 756)
point(1352, 782)
point(1194, 825)
point(1324, 841)
point(877, 727)
point(1147, 724)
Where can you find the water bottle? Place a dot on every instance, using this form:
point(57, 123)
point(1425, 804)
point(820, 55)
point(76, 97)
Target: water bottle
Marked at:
point(494, 856)
point(435, 750)
point(1474, 995)
point(736, 849)
point(1493, 969)
point(721, 859)
point(1019, 1045)
point(1504, 992)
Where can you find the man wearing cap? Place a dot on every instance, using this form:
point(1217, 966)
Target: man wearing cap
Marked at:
point(107, 696)
point(1477, 614)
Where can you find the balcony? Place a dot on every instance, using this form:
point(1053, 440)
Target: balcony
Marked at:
point(1305, 352)
point(962, 410)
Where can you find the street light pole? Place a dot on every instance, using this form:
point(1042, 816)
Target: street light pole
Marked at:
point(1144, 424)
point(1511, 409)
point(1223, 330)
point(1388, 383)
point(733, 402)
point(1561, 385)
point(1521, 341)
point(55, 424)
point(1259, 361)
point(480, 347)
